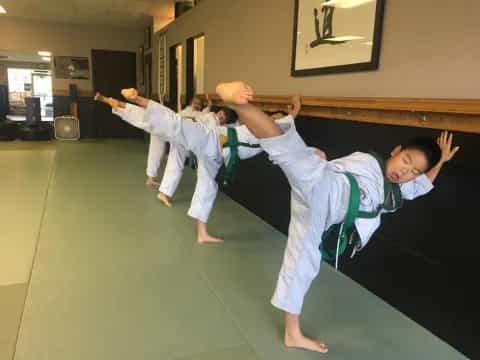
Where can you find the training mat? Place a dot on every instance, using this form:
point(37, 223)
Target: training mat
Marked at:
point(118, 276)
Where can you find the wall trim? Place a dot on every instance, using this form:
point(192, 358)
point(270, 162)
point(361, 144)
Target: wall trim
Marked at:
point(449, 114)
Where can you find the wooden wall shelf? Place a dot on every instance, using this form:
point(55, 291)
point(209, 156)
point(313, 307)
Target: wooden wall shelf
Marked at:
point(449, 114)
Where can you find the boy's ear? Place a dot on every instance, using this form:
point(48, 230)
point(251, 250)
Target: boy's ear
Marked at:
point(396, 150)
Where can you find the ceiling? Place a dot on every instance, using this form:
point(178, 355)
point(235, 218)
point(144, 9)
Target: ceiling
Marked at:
point(121, 13)
point(12, 56)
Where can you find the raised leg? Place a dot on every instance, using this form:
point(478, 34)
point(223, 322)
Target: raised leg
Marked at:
point(237, 95)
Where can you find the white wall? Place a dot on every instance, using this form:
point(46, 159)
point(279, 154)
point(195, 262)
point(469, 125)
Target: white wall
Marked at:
point(65, 40)
point(429, 49)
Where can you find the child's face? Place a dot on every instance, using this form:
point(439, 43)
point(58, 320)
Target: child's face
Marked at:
point(222, 118)
point(196, 104)
point(405, 165)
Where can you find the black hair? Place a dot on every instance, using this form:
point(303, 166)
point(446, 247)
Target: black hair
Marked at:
point(195, 97)
point(230, 115)
point(215, 108)
point(428, 146)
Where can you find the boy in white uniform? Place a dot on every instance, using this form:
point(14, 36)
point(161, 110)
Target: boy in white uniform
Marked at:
point(203, 138)
point(177, 155)
point(156, 147)
point(320, 196)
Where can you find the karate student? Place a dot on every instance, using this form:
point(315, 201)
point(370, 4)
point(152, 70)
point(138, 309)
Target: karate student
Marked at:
point(322, 192)
point(156, 147)
point(203, 140)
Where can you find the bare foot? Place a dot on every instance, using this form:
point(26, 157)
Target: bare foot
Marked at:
point(295, 106)
point(114, 103)
point(235, 92)
point(130, 94)
point(151, 182)
point(99, 97)
point(164, 199)
point(302, 342)
point(207, 239)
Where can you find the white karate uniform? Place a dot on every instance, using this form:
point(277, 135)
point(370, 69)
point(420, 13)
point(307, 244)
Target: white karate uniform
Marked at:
point(156, 151)
point(320, 195)
point(187, 134)
point(178, 154)
point(190, 113)
point(245, 136)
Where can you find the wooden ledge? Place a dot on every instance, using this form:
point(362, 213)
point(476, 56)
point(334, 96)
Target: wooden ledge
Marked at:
point(449, 114)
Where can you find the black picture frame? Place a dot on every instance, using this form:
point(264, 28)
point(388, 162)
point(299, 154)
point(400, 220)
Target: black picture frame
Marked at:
point(71, 67)
point(372, 64)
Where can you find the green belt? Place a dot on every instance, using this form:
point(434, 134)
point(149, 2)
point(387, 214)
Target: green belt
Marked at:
point(227, 172)
point(345, 231)
point(191, 161)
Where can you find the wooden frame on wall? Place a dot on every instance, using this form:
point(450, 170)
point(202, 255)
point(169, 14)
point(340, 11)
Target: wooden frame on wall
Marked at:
point(351, 43)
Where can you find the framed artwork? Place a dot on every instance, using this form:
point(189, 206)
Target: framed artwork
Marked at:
point(334, 36)
point(69, 67)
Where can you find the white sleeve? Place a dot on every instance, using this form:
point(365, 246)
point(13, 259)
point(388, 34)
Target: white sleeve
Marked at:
point(419, 186)
point(187, 112)
point(209, 120)
point(285, 122)
point(244, 135)
point(134, 115)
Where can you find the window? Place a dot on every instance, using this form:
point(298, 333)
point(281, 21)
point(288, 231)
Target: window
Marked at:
point(24, 83)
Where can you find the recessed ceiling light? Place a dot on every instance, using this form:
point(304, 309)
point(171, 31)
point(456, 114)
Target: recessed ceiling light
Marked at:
point(2, 10)
point(46, 58)
point(44, 53)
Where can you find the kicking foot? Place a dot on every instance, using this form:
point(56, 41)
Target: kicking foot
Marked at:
point(295, 106)
point(302, 342)
point(236, 92)
point(109, 101)
point(130, 94)
point(207, 239)
point(164, 199)
point(99, 97)
point(151, 182)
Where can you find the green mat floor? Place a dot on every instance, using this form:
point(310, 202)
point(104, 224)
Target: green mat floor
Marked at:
point(95, 268)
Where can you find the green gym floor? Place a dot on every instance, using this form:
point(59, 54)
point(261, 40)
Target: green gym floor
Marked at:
point(93, 267)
